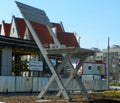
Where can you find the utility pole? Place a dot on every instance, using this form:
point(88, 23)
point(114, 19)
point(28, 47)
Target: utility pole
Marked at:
point(108, 67)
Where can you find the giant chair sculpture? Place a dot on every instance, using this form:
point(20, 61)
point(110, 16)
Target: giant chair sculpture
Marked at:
point(36, 15)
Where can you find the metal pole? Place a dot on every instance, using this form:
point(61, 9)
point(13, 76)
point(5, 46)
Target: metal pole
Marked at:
point(108, 63)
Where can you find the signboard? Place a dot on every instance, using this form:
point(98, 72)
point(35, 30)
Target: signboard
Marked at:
point(36, 65)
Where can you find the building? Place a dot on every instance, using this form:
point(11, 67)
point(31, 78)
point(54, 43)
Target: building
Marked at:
point(97, 57)
point(114, 61)
point(17, 46)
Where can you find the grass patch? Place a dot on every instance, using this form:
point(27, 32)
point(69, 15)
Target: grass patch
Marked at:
point(109, 94)
point(114, 84)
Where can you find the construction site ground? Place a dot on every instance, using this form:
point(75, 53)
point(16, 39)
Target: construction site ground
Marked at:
point(53, 99)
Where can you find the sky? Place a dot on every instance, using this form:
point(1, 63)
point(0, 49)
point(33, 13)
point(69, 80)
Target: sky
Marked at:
point(93, 20)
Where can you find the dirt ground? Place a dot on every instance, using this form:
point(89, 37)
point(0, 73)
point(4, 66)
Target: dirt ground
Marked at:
point(51, 99)
point(18, 99)
point(34, 99)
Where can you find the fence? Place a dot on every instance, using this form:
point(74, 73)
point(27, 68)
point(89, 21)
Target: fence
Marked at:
point(35, 84)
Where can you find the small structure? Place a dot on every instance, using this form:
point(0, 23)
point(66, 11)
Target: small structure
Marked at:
point(94, 68)
point(32, 14)
point(94, 75)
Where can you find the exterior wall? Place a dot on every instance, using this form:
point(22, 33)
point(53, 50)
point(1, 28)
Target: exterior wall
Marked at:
point(77, 38)
point(6, 65)
point(114, 62)
point(92, 68)
point(13, 31)
point(99, 56)
point(27, 35)
point(2, 30)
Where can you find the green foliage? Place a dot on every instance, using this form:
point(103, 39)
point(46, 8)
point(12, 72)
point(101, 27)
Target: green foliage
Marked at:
point(114, 84)
point(109, 94)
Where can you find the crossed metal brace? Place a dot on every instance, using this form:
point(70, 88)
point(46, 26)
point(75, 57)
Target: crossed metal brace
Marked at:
point(74, 71)
point(33, 14)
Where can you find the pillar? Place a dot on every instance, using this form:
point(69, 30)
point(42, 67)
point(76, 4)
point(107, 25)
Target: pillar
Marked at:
point(6, 62)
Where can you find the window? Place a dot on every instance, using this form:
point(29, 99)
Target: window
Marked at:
point(99, 68)
point(89, 68)
point(13, 30)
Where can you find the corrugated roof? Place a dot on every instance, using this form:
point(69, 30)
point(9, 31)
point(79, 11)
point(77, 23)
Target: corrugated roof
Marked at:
point(6, 27)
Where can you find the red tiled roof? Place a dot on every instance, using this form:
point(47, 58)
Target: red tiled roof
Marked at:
point(38, 26)
point(43, 27)
point(43, 33)
point(44, 36)
point(67, 39)
point(21, 26)
point(58, 26)
point(6, 28)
